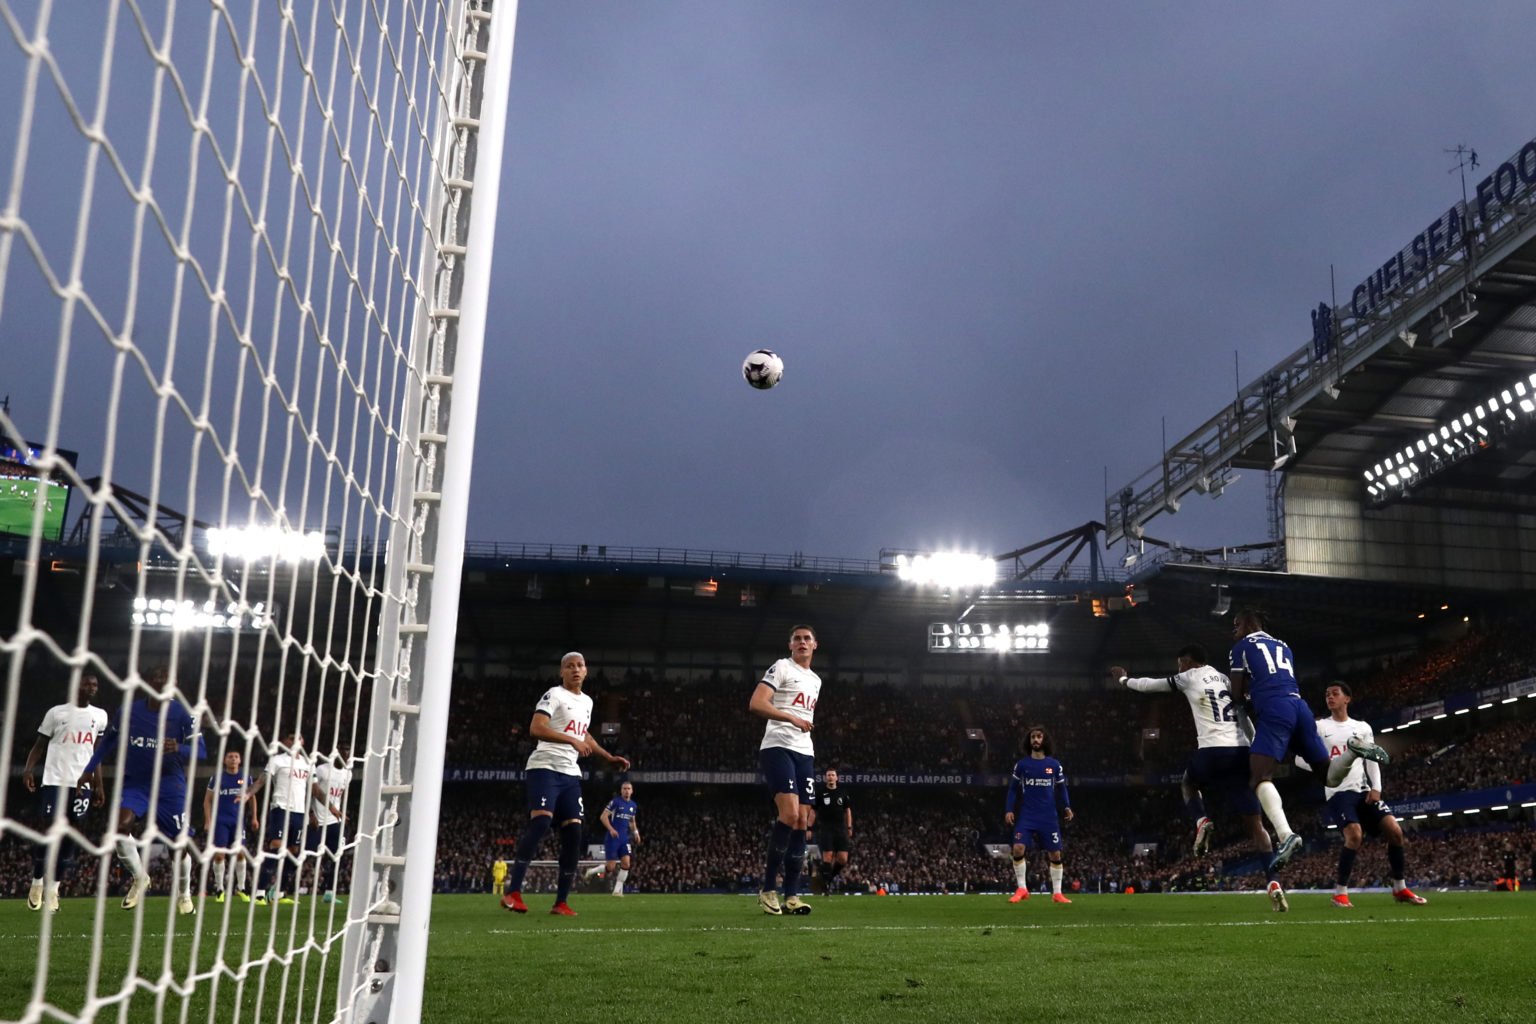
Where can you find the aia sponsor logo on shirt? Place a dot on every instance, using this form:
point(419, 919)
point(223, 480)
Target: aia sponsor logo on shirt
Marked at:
point(81, 737)
point(579, 728)
point(802, 701)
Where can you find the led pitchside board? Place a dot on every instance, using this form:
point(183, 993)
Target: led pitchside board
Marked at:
point(987, 637)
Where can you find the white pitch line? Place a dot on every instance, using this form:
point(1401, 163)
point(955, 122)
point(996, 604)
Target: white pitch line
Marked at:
point(1271, 923)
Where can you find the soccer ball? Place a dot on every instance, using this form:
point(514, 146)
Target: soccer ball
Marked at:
point(763, 369)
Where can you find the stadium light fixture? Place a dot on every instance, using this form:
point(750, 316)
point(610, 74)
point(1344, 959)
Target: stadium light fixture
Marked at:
point(185, 615)
point(258, 543)
point(952, 569)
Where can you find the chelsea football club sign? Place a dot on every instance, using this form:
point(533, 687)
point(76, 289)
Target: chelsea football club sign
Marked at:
point(1511, 182)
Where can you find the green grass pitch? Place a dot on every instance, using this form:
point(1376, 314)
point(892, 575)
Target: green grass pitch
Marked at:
point(1190, 959)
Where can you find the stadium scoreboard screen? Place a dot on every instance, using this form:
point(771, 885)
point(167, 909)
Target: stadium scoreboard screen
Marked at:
point(997, 638)
point(23, 490)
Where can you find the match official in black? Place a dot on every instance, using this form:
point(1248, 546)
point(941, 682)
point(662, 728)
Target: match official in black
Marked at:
point(834, 830)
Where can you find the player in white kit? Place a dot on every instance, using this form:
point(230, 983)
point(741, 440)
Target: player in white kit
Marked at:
point(327, 819)
point(1219, 765)
point(787, 696)
point(1355, 804)
point(66, 739)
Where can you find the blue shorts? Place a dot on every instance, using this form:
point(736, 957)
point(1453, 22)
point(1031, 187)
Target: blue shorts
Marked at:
point(1349, 807)
point(788, 771)
point(556, 792)
point(228, 835)
point(76, 802)
point(287, 827)
point(1222, 772)
point(170, 819)
point(1284, 726)
point(1038, 835)
point(616, 849)
point(326, 838)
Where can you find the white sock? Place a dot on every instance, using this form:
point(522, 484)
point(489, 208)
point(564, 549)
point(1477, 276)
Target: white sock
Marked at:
point(1340, 766)
point(1021, 872)
point(594, 871)
point(218, 875)
point(623, 877)
point(53, 887)
point(1399, 884)
point(186, 875)
point(1269, 799)
point(1341, 890)
point(240, 871)
point(1057, 870)
point(128, 853)
point(37, 881)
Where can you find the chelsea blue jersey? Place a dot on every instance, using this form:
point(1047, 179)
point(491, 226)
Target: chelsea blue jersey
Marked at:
point(227, 787)
point(144, 745)
point(1271, 672)
point(621, 813)
point(1037, 785)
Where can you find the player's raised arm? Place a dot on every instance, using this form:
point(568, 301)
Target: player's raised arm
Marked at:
point(1144, 684)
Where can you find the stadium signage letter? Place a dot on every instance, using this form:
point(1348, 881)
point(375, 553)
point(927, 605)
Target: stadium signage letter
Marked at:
point(1511, 180)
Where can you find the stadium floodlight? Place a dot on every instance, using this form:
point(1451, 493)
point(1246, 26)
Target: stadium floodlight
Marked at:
point(1464, 711)
point(259, 543)
point(184, 615)
point(954, 570)
point(1485, 707)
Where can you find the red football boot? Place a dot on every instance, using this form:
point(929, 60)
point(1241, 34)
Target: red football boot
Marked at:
point(1407, 895)
point(562, 910)
point(513, 901)
point(1059, 898)
point(1341, 899)
point(1020, 893)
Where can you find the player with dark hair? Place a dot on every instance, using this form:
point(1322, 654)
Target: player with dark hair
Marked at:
point(1355, 804)
point(160, 739)
point(327, 820)
point(225, 818)
point(786, 696)
point(560, 723)
point(66, 739)
point(618, 820)
point(1038, 788)
point(1263, 672)
point(833, 818)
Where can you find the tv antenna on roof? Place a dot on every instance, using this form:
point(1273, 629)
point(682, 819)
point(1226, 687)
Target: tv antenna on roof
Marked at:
point(1466, 157)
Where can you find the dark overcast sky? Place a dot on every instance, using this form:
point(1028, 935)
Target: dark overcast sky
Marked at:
point(996, 244)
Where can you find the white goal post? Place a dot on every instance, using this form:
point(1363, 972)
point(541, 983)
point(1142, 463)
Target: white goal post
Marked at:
point(245, 258)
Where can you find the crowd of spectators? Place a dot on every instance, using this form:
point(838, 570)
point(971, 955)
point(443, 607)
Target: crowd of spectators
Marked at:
point(1502, 755)
point(1497, 650)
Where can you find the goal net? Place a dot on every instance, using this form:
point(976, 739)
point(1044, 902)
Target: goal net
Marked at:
point(244, 258)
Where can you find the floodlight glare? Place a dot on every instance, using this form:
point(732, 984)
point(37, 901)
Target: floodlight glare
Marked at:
point(255, 543)
point(947, 569)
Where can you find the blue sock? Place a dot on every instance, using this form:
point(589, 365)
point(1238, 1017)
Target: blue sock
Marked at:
point(794, 863)
point(1346, 865)
point(1195, 807)
point(527, 849)
point(570, 853)
point(1397, 861)
point(778, 843)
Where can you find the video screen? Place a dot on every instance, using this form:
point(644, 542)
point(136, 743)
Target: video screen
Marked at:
point(21, 492)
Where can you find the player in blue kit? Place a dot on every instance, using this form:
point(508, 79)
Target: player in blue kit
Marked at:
point(160, 734)
point(1264, 671)
point(228, 820)
point(1038, 788)
point(618, 819)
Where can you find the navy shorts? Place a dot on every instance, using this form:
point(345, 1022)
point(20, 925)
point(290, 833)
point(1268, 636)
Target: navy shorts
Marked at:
point(1285, 726)
point(788, 771)
point(1222, 772)
point(228, 835)
point(76, 802)
point(170, 819)
point(287, 827)
point(1349, 807)
point(326, 838)
point(555, 792)
point(616, 849)
point(1038, 835)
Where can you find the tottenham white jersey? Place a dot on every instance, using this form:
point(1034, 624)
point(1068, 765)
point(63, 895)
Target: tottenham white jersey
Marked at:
point(291, 775)
point(335, 780)
point(1363, 774)
point(796, 691)
point(569, 713)
point(72, 733)
point(1219, 722)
